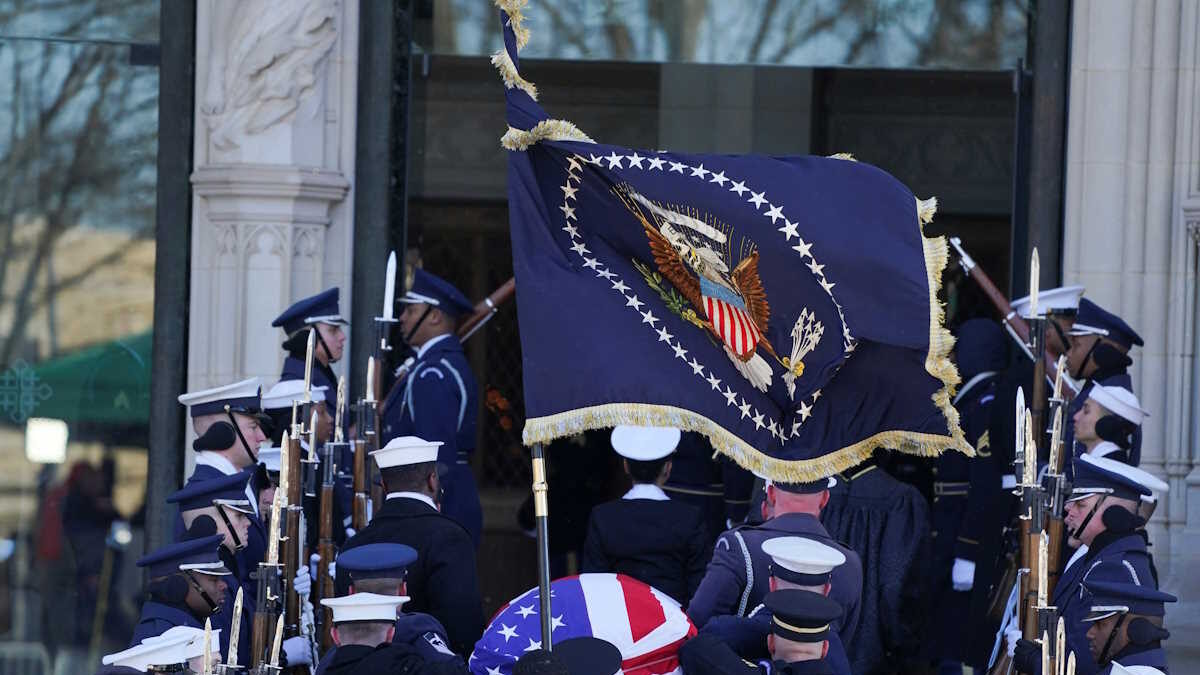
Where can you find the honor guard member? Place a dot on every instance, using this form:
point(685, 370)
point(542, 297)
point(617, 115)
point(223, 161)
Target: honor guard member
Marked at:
point(229, 430)
point(1101, 515)
point(220, 506)
point(801, 623)
point(577, 656)
point(187, 585)
point(645, 534)
point(1099, 354)
point(968, 509)
point(738, 576)
point(885, 521)
point(1125, 624)
point(796, 563)
point(277, 405)
point(363, 626)
point(437, 399)
point(716, 485)
point(176, 650)
point(382, 569)
point(1108, 422)
point(442, 581)
point(321, 313)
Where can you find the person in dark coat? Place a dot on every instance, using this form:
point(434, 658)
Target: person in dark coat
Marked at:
point(798, 563)
point(645, 534)
point(187, 585)
point(886, 523)
point(437, 398)
point(1126, 620)
point(801, 623)
point(1099, 353)
point(227, 422)
point(363, 627)
point(381, 569)
point(1101, 516)
point(738, 575)
point(714, 484)
point(442, 582)
point(1109, 422)
point(980, 352)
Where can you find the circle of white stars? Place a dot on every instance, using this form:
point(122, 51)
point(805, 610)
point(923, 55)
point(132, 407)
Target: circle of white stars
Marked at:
point(758, 200)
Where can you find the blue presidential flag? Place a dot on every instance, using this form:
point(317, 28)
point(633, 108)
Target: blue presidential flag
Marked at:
point(785, 307)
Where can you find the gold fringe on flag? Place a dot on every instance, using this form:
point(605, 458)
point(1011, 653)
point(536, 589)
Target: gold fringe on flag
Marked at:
point(508, 71)
point(553, 130)
point(516, 19)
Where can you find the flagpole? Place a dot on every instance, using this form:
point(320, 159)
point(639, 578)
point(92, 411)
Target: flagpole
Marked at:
point(541, 512)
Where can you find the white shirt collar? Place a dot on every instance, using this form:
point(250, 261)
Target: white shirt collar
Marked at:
point(419, 496)
point(430, 343)
point(218, 462)
point(1078, 554)
point(1104, 448)
point(646, 491)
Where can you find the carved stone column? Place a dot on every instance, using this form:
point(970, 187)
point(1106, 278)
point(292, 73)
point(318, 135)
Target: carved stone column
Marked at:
point(1132, 175)
point(274, 145)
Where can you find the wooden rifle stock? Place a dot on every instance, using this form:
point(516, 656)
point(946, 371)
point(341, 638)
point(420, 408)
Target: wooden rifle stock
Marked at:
point(488, 306)
point(325, 543)
point(1015, 322)
point(260, 637)
point(361, 492)
point(293, 547)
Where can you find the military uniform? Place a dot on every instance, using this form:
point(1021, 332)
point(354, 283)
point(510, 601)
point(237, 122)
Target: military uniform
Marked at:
point(747, 636)
point(737, 577)
point(391, 657)
point(157, 617)
point(305, 313)
point(1116, 591)
point(442, 582)
point(167, 607)
point(1094, 320)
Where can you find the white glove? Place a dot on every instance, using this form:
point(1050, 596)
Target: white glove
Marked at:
point(333, 570)
point(1011, 635)
point(314, 565)
point(297, 651)
point(350, 532)
point(962, 575)
point(302, 584)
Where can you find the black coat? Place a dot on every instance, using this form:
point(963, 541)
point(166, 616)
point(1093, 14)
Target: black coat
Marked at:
point(660, 543)
point(443, 581)
point(390, 659)
point(707, 655)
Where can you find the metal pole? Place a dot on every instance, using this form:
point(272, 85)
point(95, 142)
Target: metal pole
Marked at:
point(541, 512)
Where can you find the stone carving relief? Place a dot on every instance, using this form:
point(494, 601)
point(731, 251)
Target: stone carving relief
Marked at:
point(268, 56)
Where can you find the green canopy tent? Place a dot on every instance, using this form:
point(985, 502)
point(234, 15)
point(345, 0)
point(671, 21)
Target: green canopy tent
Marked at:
point(102, 391)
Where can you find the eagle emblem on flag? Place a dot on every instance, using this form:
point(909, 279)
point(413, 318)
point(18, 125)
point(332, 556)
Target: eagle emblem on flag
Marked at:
point(725, 297)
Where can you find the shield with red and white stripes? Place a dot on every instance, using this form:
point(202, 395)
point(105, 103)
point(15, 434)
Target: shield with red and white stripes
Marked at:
point(728, 316)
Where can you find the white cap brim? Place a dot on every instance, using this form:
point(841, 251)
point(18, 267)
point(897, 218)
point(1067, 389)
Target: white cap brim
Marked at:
point(365, 607)
point(645, 444)
point(405, 450)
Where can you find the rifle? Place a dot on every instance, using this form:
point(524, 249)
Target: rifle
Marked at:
point(1014, 323)
point(270, 587)
point(366, 441)
point(325, 539)
point(1056, 486)
point(299, 473)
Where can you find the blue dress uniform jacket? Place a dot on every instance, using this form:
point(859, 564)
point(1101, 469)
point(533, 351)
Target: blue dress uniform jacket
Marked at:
point(420, 632)
point(389, 658)
point(157, 617)
point(739, 575)
point(705, 654)
point(442, 582)
point(1141, 655)
point(1127, 550)
point(660, 543)
point(438, 400)
point(748, 637)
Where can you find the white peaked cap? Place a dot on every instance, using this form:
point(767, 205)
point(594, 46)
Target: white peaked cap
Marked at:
point(172, 646)
point(1119, 401)
point(1157, 485)
point(365, 607)
point(645, 444)
point(803, 555)
point(405, 450)
point(1051, 300)
point(245, 389)
point(1118, 669)
point(285, 392)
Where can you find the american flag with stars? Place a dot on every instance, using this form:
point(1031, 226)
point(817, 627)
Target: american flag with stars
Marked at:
point(645, 624)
